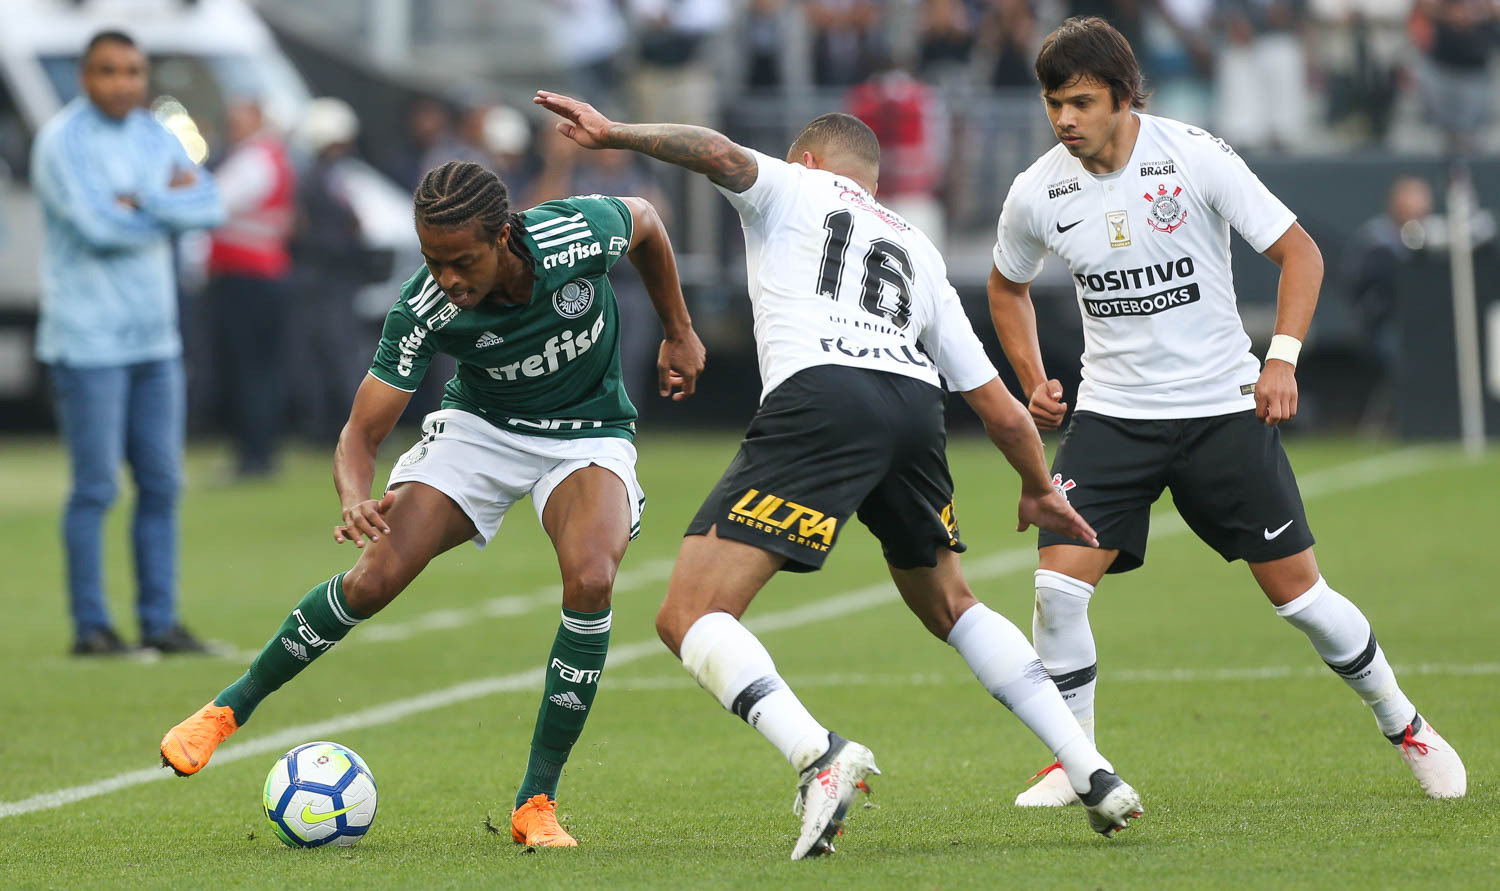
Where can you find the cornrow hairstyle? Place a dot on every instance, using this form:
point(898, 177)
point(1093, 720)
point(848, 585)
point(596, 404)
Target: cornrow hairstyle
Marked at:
point(460, 193)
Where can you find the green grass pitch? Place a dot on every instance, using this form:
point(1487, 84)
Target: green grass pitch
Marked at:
point(1257, 766)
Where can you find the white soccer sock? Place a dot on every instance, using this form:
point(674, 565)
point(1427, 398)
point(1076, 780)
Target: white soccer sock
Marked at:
point(729, 662)
point(1060, 629)
point(1341, 634)
point(1004, 662)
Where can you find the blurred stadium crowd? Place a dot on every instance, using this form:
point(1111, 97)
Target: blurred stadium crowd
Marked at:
point(946, 84)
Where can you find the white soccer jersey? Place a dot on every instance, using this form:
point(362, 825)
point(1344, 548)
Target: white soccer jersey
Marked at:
point(1148, 247)
point(837, 279)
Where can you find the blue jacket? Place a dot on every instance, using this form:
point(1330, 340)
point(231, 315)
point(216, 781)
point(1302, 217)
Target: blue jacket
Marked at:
point(109, 289)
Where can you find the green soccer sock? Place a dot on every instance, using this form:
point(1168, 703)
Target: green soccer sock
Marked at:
point(573, 670)
point(319, 621)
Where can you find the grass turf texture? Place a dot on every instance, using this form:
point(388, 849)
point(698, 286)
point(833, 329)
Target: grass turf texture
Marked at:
point(1247, 781)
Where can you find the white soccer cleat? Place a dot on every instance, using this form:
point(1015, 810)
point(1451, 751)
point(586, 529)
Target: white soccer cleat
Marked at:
point(1049, 788)
point(1437, 767)
point(1111, 803)
point(824, 792)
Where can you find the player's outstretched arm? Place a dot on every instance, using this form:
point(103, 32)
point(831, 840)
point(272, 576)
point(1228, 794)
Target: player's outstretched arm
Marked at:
point(1015, 324)
point(1011, 430)
point(1296, 299)
point(377, 407)
point(698, 149)
point(680, 360)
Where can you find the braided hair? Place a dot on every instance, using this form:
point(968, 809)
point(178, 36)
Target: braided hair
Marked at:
point(461, 192)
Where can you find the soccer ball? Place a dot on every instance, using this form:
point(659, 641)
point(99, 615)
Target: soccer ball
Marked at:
point(320, 792)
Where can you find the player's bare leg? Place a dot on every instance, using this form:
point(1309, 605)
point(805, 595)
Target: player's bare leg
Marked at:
point(712, 583)
point(1061, 634)
point(1342, 637)
point(587, 516)
point(423, 523)
point(1010, 670)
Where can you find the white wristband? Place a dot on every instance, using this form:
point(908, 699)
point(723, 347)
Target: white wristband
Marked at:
point(1284, 347)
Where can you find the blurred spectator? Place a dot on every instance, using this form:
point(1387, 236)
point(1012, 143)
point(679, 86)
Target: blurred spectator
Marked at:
point(329, 353)
point(1261, 80)
point(505, 135)
point(568, 170)
point(1176, 53)
point(1375, 251)
point(846, 35)
point(673, 79)
point(428, 124)
point(945, 40)
point(588, 39)
point(464, 144)
point(912, 126)
point(248, 266)
point(115, 185)
point(1127, 16)
point(1456, 38)
point(1008, 32)
point(765, 38)
point(1359, 47)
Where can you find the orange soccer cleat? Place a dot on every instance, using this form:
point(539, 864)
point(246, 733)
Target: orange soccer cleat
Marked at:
point(187, 747)
point(535, 824)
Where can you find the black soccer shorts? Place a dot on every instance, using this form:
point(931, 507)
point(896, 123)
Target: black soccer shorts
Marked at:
point(831, 442)
point(1229, 476)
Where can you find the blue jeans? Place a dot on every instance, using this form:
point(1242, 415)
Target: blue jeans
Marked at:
point(135, 412)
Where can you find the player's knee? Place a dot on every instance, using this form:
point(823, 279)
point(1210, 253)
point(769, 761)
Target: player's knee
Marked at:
point(944, 615)
point(368, 588)
point(589, 589)
point(671, 626)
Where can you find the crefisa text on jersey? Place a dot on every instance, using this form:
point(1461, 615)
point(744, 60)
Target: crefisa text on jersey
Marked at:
point(575, 252)
point(558, 349)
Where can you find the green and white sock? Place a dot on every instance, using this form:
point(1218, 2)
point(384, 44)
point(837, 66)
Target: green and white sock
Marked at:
point(319, 621)
point(573, 669)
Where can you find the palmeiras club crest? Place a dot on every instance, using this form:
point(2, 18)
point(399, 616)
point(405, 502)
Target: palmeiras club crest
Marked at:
point(574, 298)
point(1167, 213)
point(1060, 486)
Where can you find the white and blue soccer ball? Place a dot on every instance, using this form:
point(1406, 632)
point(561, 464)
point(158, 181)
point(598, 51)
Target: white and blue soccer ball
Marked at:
point(320, 792)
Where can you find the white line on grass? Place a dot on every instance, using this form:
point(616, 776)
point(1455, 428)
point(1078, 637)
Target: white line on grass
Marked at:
point(1353, 475)
point(1124, 675)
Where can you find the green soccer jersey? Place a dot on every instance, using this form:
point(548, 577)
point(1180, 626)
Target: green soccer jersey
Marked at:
point(550, 367)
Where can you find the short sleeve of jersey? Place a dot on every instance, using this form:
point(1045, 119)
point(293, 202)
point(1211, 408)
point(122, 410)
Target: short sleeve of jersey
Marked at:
point(954, 347)
point(1018, 251)
point(406, 347)
point(775, 181)
point(1229, 186)
point(607, 219)
point(949, 339)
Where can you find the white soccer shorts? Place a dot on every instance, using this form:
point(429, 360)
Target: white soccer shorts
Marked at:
point(486, 470)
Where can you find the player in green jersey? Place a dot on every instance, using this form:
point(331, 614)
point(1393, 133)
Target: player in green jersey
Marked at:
point(523, 301)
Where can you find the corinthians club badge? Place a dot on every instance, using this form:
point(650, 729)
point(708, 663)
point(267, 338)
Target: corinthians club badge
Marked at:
point(1167, 213)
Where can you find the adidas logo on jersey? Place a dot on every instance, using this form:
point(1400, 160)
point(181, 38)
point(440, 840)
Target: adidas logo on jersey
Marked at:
point(487, 340)
point(568, 700)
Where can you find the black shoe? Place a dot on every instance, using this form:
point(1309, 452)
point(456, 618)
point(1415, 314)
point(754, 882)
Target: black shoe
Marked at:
point(176, 639)
point(100, 642)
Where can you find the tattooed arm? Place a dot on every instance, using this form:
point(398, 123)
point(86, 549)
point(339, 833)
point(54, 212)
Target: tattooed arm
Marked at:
point(698, 149)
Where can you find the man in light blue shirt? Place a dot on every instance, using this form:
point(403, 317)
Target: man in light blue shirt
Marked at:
point(115, 187)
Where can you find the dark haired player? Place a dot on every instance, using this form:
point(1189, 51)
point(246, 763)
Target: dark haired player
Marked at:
point(1140, 208)
point(523, 301)
point(855, 322)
